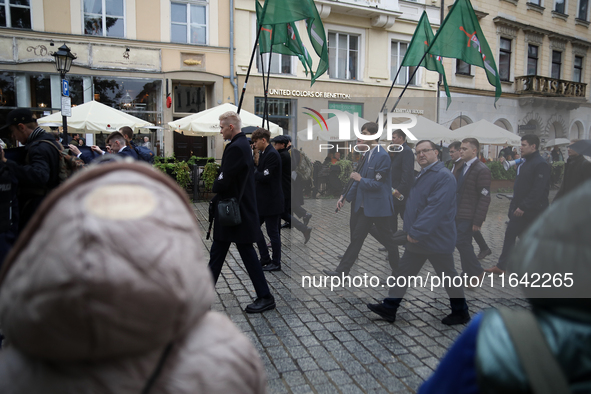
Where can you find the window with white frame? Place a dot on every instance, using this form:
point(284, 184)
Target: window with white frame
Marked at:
point(583, 10)
point(536, 2)
point(505, 59)
point(188, 22)
point(556, 64)
point(532, 59)
point(560, 6)
point(397, 53)
point(15, 14)
point(463, 68)
point(578, 71)
point(343, 56)
point(104, 18)
point(280, 64)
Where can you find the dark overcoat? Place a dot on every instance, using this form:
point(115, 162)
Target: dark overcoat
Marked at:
point(236, 169)
point(268, 183)
point(403, 172)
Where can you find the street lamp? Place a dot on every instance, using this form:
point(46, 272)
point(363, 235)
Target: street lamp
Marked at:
point(63, 62)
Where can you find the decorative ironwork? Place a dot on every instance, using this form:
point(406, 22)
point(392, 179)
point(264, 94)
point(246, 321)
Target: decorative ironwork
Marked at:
point(126, 55)
point(42, 49)
point(549, 86)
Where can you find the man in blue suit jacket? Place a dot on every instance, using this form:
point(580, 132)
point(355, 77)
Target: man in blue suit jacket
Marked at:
point(371, 199)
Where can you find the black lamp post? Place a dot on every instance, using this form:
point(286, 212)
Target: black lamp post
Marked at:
point(63, 62)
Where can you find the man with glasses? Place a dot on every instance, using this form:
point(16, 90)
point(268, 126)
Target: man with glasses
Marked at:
point(429, 221)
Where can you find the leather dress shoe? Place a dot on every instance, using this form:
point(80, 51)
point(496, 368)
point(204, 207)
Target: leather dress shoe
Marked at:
point(388, 314)
point(306, 219)
point(307, 232)
point(272, 267)
point(261, 304)
point(484, 253)
point(286, 225)
point(331, 273)
point(454, 319)
point(265, 262)
point(495, 270)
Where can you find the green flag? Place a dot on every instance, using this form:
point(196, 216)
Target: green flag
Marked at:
point(285, 40)
point(460, 37)
point(419, 44)
point(283, 12)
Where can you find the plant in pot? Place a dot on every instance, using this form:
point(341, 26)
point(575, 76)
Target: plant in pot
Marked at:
point(209, 175)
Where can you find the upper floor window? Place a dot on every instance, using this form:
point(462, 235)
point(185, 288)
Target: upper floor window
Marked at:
point(505, 59)
point(397, 53)
point(280, 64)
point(343, 56)
point(532, 59)
point(583, 9)
point(556, 64)
point(536, 2)
point(189, 22)
point(15, 14)
point(104, 18)
point(560, 6)
point(463, 68)
point(578, 71)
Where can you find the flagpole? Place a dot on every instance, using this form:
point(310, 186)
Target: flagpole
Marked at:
point(266, 88)
point(263, 72)
point(256, 42)
point(389, 92)
point(440, 76)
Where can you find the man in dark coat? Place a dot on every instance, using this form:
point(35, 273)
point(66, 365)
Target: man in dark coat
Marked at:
point(280, 144)
point(473, 197)
point(236, 174)
point(577, 170)
point(267, 176)
point(530, 196)
point(40, 172)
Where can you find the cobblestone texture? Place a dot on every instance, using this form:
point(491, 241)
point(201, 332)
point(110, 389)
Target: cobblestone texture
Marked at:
point(323, 341)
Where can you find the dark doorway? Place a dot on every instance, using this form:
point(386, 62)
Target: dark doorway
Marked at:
point(187, 146)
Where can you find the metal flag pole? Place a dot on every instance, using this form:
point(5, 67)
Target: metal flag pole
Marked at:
point(256, 42)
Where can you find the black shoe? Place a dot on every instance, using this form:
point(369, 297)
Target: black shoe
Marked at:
point(272, 267)
point(261, 304)
point(454, 319)
point(331, 273)
point(383, 249)
point(286, 225)
point(307, 218)
point(484, 253)
point(265, 262)
point(307, 232)
point(388, 314)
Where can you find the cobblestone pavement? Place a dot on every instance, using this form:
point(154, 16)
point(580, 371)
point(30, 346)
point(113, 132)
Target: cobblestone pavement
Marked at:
point(323, 341)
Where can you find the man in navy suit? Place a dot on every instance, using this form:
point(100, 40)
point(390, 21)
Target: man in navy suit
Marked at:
point(116, 142)
point(267, 176)
point(371, 199)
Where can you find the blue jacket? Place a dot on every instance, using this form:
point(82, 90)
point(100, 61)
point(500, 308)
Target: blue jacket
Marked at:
point(127, 151)
point(532, 186)
point(375, 187)
point(431, 210)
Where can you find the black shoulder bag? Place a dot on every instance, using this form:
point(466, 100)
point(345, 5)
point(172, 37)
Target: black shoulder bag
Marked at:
point(229, 209)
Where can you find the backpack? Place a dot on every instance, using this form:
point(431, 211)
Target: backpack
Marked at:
point(144, 154)
point(68, 164)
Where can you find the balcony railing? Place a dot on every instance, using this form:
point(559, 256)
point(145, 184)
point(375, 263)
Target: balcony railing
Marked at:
point(534, 84)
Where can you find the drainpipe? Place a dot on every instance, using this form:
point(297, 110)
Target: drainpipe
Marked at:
point(232, 74)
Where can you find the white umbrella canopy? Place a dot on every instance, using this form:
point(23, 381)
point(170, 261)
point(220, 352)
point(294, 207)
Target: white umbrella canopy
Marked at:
point(426, 129)
point(487, 134)
point(207, 123)
point(96, 117)
point(557, 142)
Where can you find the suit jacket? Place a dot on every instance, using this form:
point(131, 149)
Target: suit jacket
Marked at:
point(126, 151)
point(532, 186)
point(374, 190)
point(268, 183)
point(474, 194)
point(237, 168)
point(285, 172)
point(402, 172)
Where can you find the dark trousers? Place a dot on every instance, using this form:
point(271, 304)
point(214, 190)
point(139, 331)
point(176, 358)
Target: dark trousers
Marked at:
point(477, 235)
point(298, 210)
point(272, 225)
point(289, 218)
point(362, 225)
point(217, 255)
point(516, 227)
point(410, 265)
point(393, 222)
point(470, 263)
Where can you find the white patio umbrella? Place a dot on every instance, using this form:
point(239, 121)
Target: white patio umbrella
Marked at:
point(207, 123)
point(95, 117)
point(557, 142)
point(426, 129)
point(486, 133)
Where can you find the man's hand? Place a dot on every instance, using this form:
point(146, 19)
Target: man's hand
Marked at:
point(475, 228)
point(74, 150)
point(340, 203)
point(97, 149)
point(411, 240)
point(355, 176)
point(396, 194)
point(518, 212)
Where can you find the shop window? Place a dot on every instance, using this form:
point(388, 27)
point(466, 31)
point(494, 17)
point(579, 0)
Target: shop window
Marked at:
point(138, 97)
point(7, 90)
point(189, 99)
point(40, 91)
point(281, 112)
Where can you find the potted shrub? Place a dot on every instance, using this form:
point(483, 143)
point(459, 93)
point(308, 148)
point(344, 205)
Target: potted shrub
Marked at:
point(501, 178)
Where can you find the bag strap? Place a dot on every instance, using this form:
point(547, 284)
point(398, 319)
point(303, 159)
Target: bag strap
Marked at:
point(152, 379)
point(543, 372)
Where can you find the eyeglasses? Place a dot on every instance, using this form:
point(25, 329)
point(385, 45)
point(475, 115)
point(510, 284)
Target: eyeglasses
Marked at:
point(423, 151)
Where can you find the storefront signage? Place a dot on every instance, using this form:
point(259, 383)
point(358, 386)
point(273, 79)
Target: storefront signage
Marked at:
point(410, 111)
point(307, 93)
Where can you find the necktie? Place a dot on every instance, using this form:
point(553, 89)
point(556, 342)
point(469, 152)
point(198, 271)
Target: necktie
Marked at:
point(460, 178)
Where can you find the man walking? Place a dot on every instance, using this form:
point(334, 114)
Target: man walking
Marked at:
point(455, 161)
point(530, 196)
point(577, 170)
point(236, 179)
point(429, 222)
point(473, 197)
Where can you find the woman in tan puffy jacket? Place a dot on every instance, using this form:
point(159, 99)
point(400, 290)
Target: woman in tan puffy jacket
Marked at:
point(107, 291)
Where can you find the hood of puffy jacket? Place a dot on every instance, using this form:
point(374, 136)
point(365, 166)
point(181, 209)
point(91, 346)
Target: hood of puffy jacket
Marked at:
point(111, 266)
